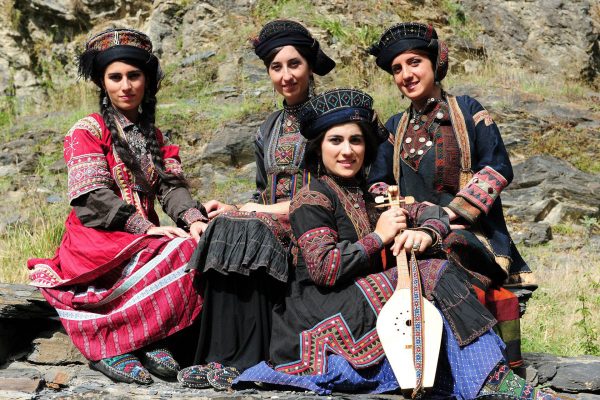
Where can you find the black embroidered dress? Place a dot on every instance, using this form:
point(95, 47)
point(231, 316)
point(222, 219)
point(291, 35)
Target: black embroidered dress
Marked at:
point(244, 254)
point(324, 335)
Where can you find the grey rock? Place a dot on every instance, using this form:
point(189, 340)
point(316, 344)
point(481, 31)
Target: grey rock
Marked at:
point(551, 190)
point(551, 37)
point(546, 372)
point(54, 198)
point(23, 302)
point(57, 349)
point(194, 58)
point(532, 233)
point(232, 145)
point(578, 377)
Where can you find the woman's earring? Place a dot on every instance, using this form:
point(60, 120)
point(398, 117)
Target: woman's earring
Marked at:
point(319, 169)
point(274, 97)
point(105, 100)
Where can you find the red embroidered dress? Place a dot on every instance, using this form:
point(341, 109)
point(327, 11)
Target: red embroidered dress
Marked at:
point(116, 291)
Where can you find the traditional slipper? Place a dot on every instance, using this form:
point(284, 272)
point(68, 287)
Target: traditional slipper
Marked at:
point(195, 376)
point(221, 379)
point(161, 363)
point(123, 368)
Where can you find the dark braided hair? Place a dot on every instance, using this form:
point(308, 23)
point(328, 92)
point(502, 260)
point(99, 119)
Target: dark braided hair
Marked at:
point(121, 146)
point(147, 126)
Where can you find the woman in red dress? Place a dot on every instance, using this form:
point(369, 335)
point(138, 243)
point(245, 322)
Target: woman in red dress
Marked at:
point(118, 280)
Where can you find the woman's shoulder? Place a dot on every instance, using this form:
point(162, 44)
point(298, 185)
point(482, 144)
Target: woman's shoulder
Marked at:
point(93, 123)
point(316, 193)
point(393, 121)
point(469, 103)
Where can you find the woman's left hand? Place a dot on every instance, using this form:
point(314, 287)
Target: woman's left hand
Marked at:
point(411, 240)
point(196, 229)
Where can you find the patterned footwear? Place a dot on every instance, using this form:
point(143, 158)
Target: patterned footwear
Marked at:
point(123, 368)
point(160, 362)
point(504, 384)
point(221, 379)
point(196, 375)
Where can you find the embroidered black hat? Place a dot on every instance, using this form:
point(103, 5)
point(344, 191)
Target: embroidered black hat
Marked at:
point(340, 106)
point(283, 32)
point(411, 36)
point(125, 45)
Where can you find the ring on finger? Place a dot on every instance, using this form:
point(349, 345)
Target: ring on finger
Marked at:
point(416, 246)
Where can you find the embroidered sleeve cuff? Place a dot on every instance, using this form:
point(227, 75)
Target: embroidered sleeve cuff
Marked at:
point(437, 226)
point(173, 166)
point(483, 189)
point(137, 224)
point(378, 188)
point(192, 215)
point(370, 244)
point(465, 209)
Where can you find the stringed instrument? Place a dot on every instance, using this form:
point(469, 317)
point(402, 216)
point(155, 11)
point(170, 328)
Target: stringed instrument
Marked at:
point(409, 326)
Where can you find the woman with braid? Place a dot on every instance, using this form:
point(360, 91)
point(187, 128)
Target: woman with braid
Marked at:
point(118, 280)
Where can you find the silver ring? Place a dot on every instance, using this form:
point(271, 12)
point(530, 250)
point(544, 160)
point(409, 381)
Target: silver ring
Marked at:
point(416, 246)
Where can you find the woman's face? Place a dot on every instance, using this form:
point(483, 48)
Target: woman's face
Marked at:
point(343, 150)
point(413, 74)
point(125, 85)
point(290, 74)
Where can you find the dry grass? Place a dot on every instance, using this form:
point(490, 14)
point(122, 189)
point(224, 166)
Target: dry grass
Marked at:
point(568, 273)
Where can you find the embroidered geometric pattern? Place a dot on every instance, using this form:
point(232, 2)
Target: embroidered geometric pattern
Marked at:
point(379, 188)
point(87, 124)
point(465, 209)
point(172, 166)
point(137, 224)
point(119, 37)
point(357, 215)
point(86, 173)
point(483, 115)
point(377, 289)
point(333, 336)
point(371, 244)
point(305, 196)
point(484, 188)
point(332, 100)
point(322, 258)
point(192, 215)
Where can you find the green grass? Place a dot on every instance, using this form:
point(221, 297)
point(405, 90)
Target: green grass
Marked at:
point(37, 238)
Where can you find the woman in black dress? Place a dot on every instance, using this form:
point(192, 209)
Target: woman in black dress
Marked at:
point(324, 336)
point(243, 254)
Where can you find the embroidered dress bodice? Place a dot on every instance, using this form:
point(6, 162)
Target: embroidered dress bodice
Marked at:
point(430, 154)
point(286, 155)
point(138, 146)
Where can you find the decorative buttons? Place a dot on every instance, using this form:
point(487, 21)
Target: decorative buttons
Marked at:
point(429, 143)
point(421, 140)
point(408, 140)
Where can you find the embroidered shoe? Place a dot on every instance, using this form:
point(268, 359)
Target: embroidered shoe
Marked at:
point(161, 363)
point(196, 375)
point(504, 384)
point(221, 379)
point(123, 368)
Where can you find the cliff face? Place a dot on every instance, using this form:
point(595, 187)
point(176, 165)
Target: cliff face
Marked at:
point(40, 37)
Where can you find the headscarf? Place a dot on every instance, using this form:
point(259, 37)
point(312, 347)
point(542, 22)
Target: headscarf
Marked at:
point(127, 45)
point(283, 32)
point(411, 36)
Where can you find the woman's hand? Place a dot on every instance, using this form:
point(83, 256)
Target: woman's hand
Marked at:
point(168, 231)
point(390, 223)
point(197, 228)
point(451, 215)
point(215, 207)
point(411, 240)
